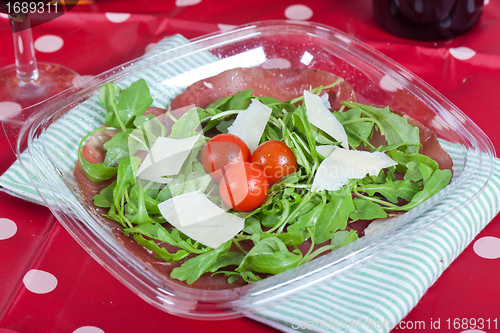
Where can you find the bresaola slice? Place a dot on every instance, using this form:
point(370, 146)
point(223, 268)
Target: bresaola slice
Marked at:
point(281, 83)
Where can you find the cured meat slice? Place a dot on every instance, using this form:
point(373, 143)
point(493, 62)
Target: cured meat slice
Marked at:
point(281, 83)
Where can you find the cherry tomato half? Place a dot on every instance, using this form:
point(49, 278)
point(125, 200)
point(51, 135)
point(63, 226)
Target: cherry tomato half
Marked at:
point(243, 186)
point(221, 150)
point(276, 159)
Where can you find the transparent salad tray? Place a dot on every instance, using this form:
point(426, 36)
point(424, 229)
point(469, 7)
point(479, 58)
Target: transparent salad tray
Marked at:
point(47, 146)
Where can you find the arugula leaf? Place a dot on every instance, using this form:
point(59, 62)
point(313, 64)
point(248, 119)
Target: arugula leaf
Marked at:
point(343, 237)
point(334, 216)
point(195, 267)
point(107, 97)
point(392, 190)
point(125, 178)
point(186, 126)
point(147, 130)
point(218, 103)
point(425, 171)
point(137, 206)
point(271, 101)
point(439, 180)
point(224, 125)
point(240, 101)
point(358, 129)
point(140, 196)
point(191, 178)
point(291, 238)
point(113, 214)
point(117, 147)
point(230, 258)
point(418, 166)
point(173, 237)
point(161, 252)
point(302, 123)
point(105, 198)
point(164, 194)
point(252, 225)
point(367, 210)
point(271, 256)
point(96, 172)
point(132, 102)
point(395, 128)
point(273, 214)
point(307, 220)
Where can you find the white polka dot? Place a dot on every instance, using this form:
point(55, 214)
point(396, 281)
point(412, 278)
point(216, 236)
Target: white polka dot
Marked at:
point(5, 16)
point(225, 27)
point(9, 109)
point(88, 329)
point(388, 83)
point(8, 228)
point(117, 17)
point(182, 3)
point(487, 247)
point(462, 53)
point(473, 331)
point(277, 63)
point(298, 12)
point(49, 43)
point(486, 2)
point(39, 282)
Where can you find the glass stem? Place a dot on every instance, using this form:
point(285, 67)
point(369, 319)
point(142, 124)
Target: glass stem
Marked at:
point(26, 66)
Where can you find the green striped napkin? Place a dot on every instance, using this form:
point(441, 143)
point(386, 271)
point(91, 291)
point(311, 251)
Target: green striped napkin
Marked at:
point(372, 297)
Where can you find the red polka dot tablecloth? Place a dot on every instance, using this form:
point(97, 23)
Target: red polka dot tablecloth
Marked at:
point(49, 284)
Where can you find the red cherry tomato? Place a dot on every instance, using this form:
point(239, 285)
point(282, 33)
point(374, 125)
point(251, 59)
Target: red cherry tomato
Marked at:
point(221, 150)
point(243, 186)
point(276, 159)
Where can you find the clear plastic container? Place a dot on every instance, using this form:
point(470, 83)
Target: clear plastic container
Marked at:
point(376, 79)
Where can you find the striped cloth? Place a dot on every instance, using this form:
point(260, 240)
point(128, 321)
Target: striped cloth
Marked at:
point(371, 296)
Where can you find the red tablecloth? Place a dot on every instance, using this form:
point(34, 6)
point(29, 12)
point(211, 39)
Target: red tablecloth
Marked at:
point(93, 38)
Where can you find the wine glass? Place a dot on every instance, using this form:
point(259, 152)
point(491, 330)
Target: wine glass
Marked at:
point(28, 82)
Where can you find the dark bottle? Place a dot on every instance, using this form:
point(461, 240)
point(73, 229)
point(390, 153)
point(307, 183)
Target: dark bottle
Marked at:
point(428, 19)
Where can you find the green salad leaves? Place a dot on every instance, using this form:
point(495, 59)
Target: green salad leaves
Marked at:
point(292, 216)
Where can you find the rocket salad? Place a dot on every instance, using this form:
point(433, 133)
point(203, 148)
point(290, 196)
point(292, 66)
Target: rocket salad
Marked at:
point(295, 221)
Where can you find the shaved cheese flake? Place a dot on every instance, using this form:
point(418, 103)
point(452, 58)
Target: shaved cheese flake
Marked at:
point(342, 165)
point(199, 218)
point(325, 150)
point(166, 158)
point(322, 118)
point(249, 124)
